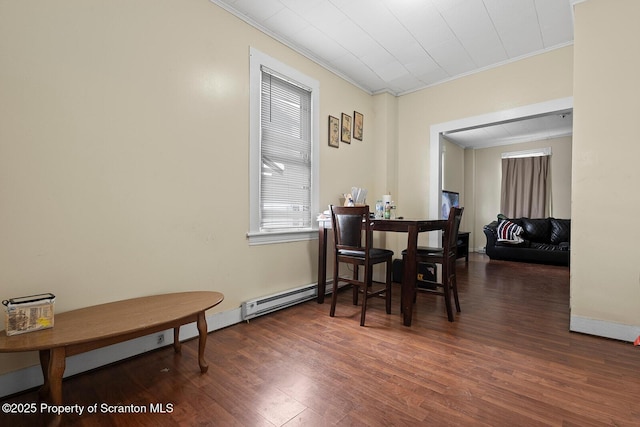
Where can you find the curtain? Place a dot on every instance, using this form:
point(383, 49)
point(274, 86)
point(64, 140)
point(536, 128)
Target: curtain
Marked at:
point(526, 187)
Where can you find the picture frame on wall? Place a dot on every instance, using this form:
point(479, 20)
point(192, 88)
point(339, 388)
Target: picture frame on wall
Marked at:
point(334, 132)
point(346, 128)
point(358, 125)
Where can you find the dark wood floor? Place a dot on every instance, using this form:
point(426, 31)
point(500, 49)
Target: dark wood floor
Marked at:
point(507, 360)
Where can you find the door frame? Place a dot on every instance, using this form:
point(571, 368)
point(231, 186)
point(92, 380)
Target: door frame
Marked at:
point(436, 132)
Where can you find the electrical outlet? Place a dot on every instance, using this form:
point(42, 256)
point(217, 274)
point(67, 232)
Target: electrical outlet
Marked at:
point(160, 339)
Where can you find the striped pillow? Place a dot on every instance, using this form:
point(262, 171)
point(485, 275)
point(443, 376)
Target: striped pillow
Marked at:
point(509, 232)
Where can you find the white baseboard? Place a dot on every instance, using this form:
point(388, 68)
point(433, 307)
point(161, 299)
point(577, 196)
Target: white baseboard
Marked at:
point(27, 378)
point(604, 329)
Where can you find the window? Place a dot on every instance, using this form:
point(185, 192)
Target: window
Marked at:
point(284, 152)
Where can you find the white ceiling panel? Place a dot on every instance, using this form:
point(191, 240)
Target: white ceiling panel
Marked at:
point(349, 65)
point(404, 83)
point(318, 43)
point(299, 6)
point(400, 46)
point(469, 20)
point(354, 8)
point(352, 38)
point(411, 51)
point(516, 23)
point(444, 5)
point(377, 57)
point(288, 21)
point(428, 27)
point(452, 58)
point(391, 71)
point(325, 17)
point(556, 22)
point(261, 10)
point(436, 75)
point(458, 36)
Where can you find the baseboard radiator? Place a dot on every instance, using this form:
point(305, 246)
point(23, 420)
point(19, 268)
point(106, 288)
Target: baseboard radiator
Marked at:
point(278, 301)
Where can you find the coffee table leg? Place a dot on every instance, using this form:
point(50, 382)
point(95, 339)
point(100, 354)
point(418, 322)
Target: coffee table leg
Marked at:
point(177, 346)
point(55, 372)
point(202, 341)
point(44, 365)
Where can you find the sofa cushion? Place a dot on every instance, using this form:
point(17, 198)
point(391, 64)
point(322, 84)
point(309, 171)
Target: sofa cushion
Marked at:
point(560, 230)
point(545, 246)
point(536, 230)
point(509, 232)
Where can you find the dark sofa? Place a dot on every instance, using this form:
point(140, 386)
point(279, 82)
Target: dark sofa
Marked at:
point(544, 240)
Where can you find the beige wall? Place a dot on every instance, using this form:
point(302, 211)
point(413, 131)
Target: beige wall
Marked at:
point(605, 284)
point(453, 167)
point(124, 141)
point(453, 175)
point(487, 176)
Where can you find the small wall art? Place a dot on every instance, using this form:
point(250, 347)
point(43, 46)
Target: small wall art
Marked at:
point(358, 125)
point(346, 128)
point(334, 132)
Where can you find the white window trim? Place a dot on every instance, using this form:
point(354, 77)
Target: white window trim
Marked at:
point(255, 235)
point(538, 152)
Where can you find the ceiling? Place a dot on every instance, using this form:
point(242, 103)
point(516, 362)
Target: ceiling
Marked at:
point(548, 126)
point(400, 46)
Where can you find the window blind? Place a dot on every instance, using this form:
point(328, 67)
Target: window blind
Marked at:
point(285, 153)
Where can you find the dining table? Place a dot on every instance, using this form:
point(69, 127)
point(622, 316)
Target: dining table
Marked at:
point(413, 227)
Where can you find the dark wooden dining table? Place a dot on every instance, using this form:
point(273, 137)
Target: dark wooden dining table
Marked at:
point(410, 226)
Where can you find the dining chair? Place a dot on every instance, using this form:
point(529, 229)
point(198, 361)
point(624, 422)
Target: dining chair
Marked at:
point(353, 240)
point(446, 256)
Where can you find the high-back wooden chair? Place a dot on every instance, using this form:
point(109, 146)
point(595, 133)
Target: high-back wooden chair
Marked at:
point(353, 240)
point(446, 256)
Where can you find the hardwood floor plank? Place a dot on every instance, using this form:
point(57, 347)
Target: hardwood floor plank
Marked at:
point(508, 359)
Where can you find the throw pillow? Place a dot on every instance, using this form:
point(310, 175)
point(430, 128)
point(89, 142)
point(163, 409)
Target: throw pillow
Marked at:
point(509, 232)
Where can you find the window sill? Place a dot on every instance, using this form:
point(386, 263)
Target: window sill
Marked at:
point(272, 237)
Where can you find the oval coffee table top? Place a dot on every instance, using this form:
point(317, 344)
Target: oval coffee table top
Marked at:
point(111, 320)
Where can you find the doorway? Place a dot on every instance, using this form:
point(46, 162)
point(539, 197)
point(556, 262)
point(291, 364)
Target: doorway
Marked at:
point(436, 144)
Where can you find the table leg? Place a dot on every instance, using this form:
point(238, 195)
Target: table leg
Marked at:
point(177, 346)
point(322, 263)
point(202, 341)
point(409, 276)
point(55, 371)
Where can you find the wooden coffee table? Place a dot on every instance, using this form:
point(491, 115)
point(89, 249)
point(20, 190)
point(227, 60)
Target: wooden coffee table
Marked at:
point(86, 329)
